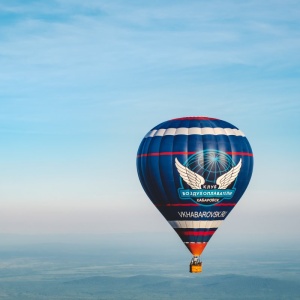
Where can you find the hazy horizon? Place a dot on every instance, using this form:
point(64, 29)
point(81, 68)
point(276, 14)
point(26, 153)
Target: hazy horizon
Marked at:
point(153, 265)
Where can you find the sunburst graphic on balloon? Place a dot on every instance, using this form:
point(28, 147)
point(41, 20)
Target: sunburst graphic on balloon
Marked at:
point(210, 164)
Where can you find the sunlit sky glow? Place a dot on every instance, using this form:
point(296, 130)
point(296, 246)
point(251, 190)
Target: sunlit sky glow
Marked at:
point(81, 83)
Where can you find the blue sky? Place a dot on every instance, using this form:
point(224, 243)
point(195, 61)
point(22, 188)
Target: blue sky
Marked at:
point(82, 83)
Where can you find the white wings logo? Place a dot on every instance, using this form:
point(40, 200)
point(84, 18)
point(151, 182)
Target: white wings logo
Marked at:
point(195, 181)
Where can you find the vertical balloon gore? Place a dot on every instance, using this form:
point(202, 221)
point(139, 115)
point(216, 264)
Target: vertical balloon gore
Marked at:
point(195, 170)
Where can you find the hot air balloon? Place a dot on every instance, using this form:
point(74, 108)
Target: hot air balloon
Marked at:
point(195, 170)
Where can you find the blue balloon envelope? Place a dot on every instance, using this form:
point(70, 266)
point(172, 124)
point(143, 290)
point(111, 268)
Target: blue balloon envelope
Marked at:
point(195, 170)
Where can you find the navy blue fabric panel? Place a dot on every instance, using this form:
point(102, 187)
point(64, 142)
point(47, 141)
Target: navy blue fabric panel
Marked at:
point(248, 163)
point(195, 143)
point(195, 239)
point(153, 172)
point(142, 167)
point(167, 177)
point(180, 143)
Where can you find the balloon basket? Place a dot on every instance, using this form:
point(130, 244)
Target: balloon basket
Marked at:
point(195, 265)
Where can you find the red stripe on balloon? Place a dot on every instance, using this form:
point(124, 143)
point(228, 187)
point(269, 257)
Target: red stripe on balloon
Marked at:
point(178, 204)
point(193, 204)
point(183, 204)
point(166, 153)
point(240, 153)
point(225, 204)
point(189, 153)
point(198, 233)
point(195, 118)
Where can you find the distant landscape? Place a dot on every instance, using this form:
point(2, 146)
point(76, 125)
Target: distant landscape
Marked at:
point(89, 270)
point(152, 287)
